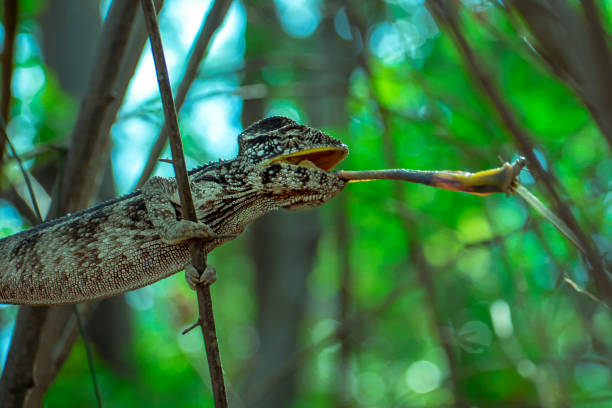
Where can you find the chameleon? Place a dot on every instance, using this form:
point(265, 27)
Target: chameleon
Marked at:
point(140, 238)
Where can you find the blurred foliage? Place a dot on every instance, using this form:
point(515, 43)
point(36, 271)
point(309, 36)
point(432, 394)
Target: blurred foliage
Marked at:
point(519, 334)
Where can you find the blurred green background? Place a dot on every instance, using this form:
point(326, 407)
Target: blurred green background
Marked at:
point(391, 295)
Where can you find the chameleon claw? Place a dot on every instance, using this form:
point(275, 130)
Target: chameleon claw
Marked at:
point(194, 278)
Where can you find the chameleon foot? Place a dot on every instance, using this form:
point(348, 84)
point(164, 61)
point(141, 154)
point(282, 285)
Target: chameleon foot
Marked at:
point(193, 277)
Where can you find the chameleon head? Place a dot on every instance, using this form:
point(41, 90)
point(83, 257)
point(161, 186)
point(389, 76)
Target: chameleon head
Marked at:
point(293, 161)
point(278, 138)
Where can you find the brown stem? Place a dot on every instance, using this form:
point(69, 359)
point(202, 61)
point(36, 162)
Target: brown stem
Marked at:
point(198, 257)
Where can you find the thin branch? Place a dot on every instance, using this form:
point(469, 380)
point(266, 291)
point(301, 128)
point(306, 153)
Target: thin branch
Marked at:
point(25, 175)
point(11, 195)
point(445, 14)
point(209, 25)
point(88, 354)
point(198, 257)
point(537, 205)
point(563, 274)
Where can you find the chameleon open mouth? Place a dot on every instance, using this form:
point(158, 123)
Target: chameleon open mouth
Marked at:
point(324, 158)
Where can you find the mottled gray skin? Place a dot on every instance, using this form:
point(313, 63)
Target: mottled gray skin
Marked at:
point(133, 241)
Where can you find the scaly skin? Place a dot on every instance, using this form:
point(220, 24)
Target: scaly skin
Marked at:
point(138, 239)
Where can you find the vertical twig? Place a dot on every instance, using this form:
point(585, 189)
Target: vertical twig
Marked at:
point(198, 257)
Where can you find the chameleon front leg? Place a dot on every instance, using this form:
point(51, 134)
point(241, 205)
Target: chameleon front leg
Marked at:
point(161, 199)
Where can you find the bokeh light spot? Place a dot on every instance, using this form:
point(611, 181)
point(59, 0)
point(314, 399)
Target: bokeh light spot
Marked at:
point(299, 18)
point(592, 374)
point(502, 319)
point(423, 376)
point(28, 81)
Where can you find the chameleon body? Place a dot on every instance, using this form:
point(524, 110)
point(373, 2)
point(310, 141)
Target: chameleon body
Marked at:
point(138, 239)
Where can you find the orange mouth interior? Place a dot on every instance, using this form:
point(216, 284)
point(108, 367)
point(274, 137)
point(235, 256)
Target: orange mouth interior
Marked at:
point(324, 158)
